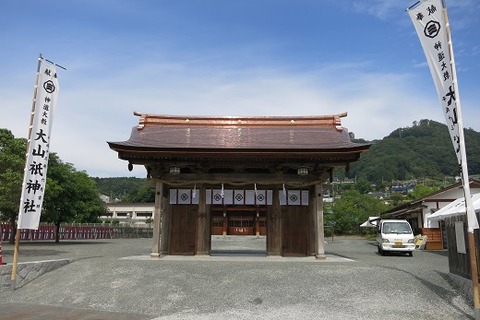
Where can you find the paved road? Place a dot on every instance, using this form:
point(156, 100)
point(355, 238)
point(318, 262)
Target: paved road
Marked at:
point(115, 279)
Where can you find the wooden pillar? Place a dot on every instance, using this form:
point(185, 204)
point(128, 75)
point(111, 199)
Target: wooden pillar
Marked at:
point(157, 223)
point(203, 223)
point(165, 219)
point(312, 222)
point(274, 225)
point(225, 222)
point(319, 237)
point(257, 223)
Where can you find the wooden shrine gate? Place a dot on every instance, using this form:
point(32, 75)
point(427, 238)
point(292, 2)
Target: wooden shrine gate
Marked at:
point(209, 157)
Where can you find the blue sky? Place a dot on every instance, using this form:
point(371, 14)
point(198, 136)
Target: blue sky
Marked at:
point(219, 57)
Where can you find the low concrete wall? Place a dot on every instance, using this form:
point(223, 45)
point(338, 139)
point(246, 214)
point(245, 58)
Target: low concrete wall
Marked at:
point(28, 271)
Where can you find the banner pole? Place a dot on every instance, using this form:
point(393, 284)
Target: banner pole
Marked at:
point(15, 260)
point(18, 233)
point(1, 239)
point(470, 212)
point(474, 270)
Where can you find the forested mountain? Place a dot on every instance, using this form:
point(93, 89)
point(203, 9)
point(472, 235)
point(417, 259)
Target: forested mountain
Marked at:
point(119, 187)
point(423, 150)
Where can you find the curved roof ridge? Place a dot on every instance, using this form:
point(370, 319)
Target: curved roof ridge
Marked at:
point(264, 121)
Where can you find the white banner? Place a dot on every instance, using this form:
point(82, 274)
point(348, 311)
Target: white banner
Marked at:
point(184, 196)
point(218, 196)
point(430, 20)
point(293, 197)
point(239, 197)
point(35, 173)
point(258, 197)
point(215, 196)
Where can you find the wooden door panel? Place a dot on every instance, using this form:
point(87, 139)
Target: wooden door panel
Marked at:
point(295, 231)
point(183, 230)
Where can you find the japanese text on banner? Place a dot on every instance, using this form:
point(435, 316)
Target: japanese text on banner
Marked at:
point(35, 175)
point(430, 24)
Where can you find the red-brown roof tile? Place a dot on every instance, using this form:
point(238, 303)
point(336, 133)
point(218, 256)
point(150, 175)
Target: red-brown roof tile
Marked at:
point(313, 133)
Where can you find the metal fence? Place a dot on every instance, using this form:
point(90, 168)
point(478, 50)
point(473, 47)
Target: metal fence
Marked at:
point(78, 232)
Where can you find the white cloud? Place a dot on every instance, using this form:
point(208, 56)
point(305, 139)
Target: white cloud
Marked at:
point(92, 111)
point(381, 9)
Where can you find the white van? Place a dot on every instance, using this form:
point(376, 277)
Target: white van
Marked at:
point(395, 236)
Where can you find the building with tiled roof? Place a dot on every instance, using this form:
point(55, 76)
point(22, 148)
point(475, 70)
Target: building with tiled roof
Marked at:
point(239, 175)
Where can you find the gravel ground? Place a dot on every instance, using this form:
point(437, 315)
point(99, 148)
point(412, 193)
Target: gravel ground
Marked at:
point(116, 279)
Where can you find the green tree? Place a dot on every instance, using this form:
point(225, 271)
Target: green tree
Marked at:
point(142, 194)
point(421, 190)
point(12, 163)
point(70, 195)
point(89, 205)
point(396, 199)
point(353, 208)
point(363, 186)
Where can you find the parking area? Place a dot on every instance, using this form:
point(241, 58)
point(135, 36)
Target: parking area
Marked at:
point(117, 278)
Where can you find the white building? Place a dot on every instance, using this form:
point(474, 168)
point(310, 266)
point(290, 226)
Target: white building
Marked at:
point(417, 212)
point(139, 214)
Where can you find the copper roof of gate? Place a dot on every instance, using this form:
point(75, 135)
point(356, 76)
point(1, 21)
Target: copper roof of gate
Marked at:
point(266, 133)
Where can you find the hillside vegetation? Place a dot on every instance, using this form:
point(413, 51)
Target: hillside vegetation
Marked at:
point(421, 151)
point(119, 187)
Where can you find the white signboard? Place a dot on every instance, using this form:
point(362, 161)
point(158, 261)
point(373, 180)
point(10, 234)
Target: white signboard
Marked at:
point(460, 237)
